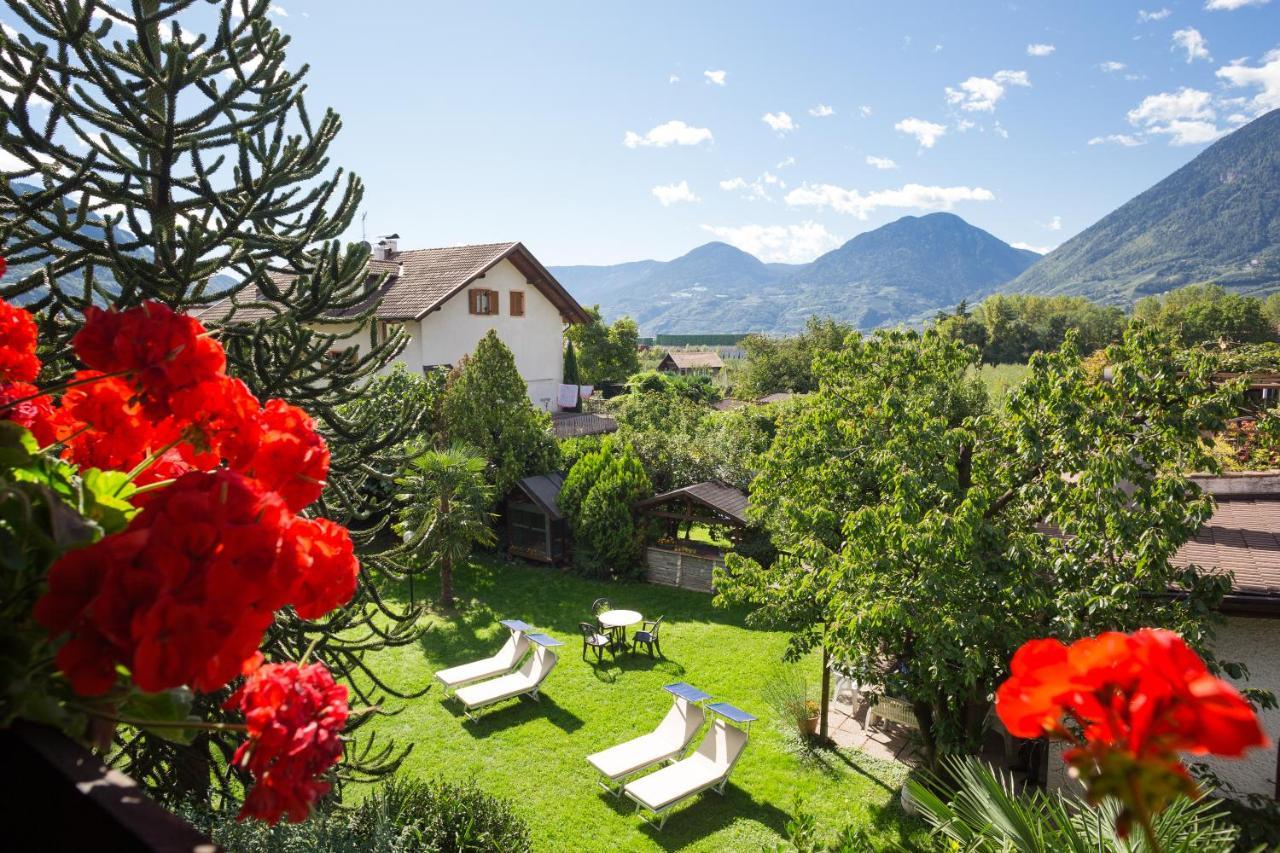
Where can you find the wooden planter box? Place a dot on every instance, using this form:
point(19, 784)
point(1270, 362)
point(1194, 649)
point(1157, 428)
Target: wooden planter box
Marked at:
point(676, 568)
point(57, 795)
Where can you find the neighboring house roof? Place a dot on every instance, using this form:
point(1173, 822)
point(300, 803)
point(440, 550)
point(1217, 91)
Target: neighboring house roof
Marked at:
point(573, 424)
point(695, 360)
point(544, 491)
point(419, 281)
point(1242, 536)
point(720, 497)
point(779, 397)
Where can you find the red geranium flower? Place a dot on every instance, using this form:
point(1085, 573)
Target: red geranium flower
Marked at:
point(1131, 703)
point(295, 716)
point(323, 560)
point(163, 351)
point(184, 595)
point(18, 361)
point(35, 412)
point(292, 458)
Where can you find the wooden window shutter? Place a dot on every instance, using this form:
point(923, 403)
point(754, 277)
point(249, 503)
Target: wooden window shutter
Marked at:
point(473, 301)
point(517, 303)
point(493, 302)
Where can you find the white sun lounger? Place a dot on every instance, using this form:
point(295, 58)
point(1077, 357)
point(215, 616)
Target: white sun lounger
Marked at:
point(525, 681)
point(664, 743)
point(507, 658)
point(708, 767)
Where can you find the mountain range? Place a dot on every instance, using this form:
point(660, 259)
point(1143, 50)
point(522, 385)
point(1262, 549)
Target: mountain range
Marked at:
point(914, 265)
point(1215, 219)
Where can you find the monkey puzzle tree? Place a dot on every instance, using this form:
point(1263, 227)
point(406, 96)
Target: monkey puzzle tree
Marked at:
point(161, 150)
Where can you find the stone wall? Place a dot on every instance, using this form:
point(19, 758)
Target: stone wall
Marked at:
point(676, 568)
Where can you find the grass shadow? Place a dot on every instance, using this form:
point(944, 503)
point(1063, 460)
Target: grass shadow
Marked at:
point(509, 713)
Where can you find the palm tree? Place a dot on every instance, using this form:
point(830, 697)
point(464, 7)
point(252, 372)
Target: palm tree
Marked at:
point(447, 510)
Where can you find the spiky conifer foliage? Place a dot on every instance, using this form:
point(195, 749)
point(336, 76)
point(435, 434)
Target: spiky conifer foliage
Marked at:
point(161, 149)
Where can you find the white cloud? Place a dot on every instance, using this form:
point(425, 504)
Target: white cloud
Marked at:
point(1111, 66)
point(11, 163)
point(780, 122)
point(1040, 49)
point(881, 162)
point(273, 9)
point(670, 194)
point(778, 243)
point(821, 111)
point(1186, 103)
point(1123, 139)
point(1193, 43)
point(1187, 116)
point(998, 130)
point(716, 77)
point(925, 132)
point(1232, 5)
point(1054, 224)
point(114, 16)
point(1266, 77)
point(1039, 250)
point(674, 78)
point(756, 189)
point(853, 202)
point(980, 94)
point(669, 133)
point(785, 162)
point(1158, 15)
point(865, 111)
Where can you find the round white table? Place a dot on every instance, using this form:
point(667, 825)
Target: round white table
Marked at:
point(617, 622)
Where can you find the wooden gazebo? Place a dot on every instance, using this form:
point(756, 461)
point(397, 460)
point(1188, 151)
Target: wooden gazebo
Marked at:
point(712, 503)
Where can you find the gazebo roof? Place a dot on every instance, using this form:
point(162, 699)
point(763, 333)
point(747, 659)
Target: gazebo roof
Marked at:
point(544, 490)
point(721, 497)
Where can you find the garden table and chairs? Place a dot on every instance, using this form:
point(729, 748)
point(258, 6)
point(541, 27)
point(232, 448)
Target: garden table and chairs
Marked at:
point(616, 622)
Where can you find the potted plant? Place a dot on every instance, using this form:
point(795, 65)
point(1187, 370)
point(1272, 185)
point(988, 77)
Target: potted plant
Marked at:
point(813, 716)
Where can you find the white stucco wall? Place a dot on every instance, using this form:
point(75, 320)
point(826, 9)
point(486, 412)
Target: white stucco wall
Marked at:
point(536, 339)
point(445, 336)
point(1255, 643)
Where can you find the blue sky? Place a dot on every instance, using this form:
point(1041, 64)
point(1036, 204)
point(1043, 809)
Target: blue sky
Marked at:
point(602, 132)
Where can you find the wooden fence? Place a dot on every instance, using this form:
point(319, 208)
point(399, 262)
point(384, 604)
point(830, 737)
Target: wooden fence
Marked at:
point(679, 569)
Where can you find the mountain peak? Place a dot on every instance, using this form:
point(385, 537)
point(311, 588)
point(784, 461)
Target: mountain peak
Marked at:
point(1212, 220)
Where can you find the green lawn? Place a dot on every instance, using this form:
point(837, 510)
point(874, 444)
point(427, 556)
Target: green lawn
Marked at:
point(533, 752)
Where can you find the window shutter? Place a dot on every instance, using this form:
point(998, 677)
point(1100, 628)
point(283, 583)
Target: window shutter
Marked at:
point(473, 297)
point(517, 303)
point(493, 302)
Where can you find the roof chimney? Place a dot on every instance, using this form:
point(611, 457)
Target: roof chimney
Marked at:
point(386, 247)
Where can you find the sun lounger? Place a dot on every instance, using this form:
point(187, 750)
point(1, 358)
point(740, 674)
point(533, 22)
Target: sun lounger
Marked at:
point(664, 743)
point(526, 681)
point(507, 658)
point(707, 768)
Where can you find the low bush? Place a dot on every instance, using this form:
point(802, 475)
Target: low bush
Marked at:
point(400, 816)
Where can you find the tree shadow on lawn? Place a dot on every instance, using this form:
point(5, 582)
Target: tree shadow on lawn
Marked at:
point(504, 715)
point(702, 815)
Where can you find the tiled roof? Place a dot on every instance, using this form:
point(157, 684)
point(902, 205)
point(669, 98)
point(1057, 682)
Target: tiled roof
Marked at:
point(1242, 536)
point(695, 360)
point(419, 280)
point(572, 424)
point(718, 496)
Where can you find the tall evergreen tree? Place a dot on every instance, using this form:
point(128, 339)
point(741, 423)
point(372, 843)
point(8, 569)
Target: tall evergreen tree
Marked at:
point(162, 150)
point(486, 405)
point(572, 376)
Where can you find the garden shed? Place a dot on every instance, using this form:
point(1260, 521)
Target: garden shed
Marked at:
point(691, 362)
point(536, 527)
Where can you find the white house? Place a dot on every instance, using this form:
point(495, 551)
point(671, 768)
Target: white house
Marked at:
point(447, 299)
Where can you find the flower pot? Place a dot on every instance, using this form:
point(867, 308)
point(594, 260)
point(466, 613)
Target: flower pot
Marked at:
point(812, 724)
